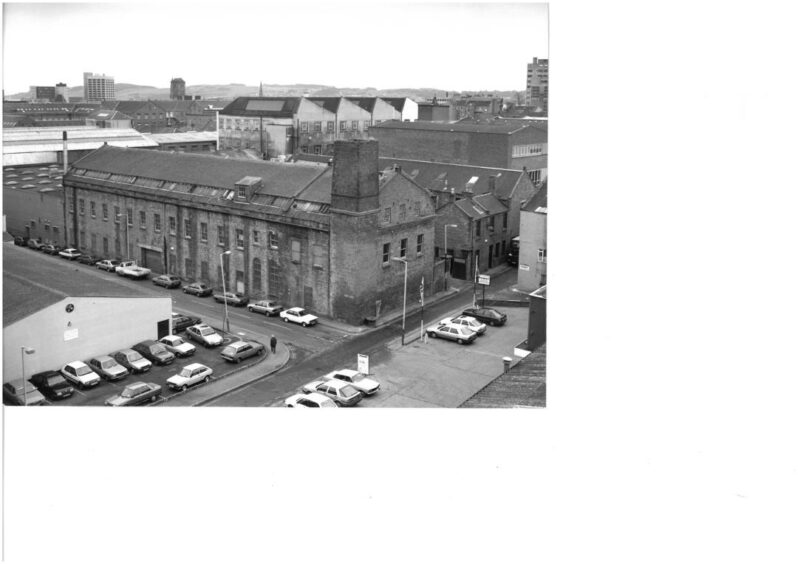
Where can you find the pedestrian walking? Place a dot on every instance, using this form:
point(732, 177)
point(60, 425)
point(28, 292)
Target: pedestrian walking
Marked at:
point(273, 343)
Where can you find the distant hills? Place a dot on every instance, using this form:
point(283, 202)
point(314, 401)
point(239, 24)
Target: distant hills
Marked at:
point(126, 91)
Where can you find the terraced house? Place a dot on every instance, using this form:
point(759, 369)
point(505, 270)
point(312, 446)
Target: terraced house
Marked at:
point(317, 236)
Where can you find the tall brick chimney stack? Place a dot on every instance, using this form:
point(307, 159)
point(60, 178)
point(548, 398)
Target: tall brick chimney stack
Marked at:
point(355, 180)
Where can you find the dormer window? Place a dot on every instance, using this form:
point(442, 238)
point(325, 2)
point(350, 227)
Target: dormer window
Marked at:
point(242, 192)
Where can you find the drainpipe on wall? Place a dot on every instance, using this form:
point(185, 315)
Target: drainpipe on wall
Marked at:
point(64, 190)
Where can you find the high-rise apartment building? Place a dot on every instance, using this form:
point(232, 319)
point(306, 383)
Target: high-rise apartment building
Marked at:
point(98, 87)
point(537, 84)
point(177, 89)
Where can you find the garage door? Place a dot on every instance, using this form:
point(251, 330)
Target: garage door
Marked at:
point(152, 260)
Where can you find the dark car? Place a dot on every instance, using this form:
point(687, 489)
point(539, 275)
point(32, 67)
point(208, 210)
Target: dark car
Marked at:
point(232, 298)
point(167, 281)
point(198, 289)
point(91, 260)
point(154, 351)
point(487, 315)
point(136, 394)
point(52, 384)
point(21, 241)
point(51, 249)
point(182, 322)
point(238, 351)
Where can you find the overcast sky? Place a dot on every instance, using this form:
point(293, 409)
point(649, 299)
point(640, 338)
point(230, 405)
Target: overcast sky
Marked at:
point(448, 46)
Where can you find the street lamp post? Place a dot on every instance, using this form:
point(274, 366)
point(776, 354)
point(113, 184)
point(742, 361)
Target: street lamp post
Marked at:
point(226, 322)
point(446, 256)
point(23, 351)
point(404, 301)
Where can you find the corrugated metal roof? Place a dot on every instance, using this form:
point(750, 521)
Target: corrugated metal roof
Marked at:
point(187, 137)
point(524, 385)
point(496, 128)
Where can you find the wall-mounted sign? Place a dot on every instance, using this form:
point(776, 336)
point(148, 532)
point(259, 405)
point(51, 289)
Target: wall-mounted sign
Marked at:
point(523, 266)
point(70, 334)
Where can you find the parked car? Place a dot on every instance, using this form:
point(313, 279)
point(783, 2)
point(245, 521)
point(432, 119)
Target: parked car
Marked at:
point(135, 394)
point(21, 241)
point(204, 334)
point(17, 392)
point(132, 360)
point(52, 384)
point(265, 307)
point(80, 374)
point(345, 395)
point(487, 315)
point(35, 244)
point(51, 249)
point(238, 351)
point(360, 382)
point(107, 265)
point(177, 346)
point(198, 289)
point(189, 376)
point(232, 298)
point(154, 351)
point(299, 315)
point(70, 254)
point(91, 260)
point(129, 269)
point(108, 368)
point(465, 321)
point(167, 281)
point(309, 400)
point(181, 322)
point(462, 335)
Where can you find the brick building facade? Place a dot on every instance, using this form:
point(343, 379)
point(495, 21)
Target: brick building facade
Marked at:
point(306, 235)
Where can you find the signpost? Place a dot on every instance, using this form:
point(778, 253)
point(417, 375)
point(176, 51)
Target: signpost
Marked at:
point(363, 363)
point(483, 280)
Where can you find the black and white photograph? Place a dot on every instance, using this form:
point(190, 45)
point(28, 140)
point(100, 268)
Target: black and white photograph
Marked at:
point(216, 213)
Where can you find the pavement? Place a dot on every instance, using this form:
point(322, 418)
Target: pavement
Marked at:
point(438, 388)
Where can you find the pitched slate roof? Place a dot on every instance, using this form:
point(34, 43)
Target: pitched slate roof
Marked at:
point(524, 385)
point(539, 201)
point(328, 103)
point(497, 128)
point(481, 206)
point(444, 176)
point(284, 180)
point(398, 103)
point(247, 106)
point(367, 103)
point(104, 114)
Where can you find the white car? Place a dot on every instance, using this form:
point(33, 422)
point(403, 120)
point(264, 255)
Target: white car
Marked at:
point(205, 334)
point(80, 374)
point(360, 382)
point(309, 400)
point(190, 375)
point(70, 254)
point(341, 393)
point(299, 315)
point(465, 321)
point(177, 346)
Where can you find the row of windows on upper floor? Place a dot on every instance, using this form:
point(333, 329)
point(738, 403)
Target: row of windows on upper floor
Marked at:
point(273, 239)
point(247, 124)
point(403, 250)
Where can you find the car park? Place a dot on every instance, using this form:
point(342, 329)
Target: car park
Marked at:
point(360, 382)
point(465, 321)
point(177, 346)
point(167, 281)
point(487, 315)
point(80, 374)
point(51, 249)
point(154, 351)
point(90, 260)
point(231, 298)
point(181, 322)
point(132, 360)
point(265, 307)
point(107, 265)
point(299, 315)
point(69, 254)
point(189, 376)
point(309, 400)
point(108, 368)
point(204, 334)
point(341, 393)
point(462, 335)
point(198, 289)
point(52, 384)
point(135, 394)
point(18, 392)
point(238, 351)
